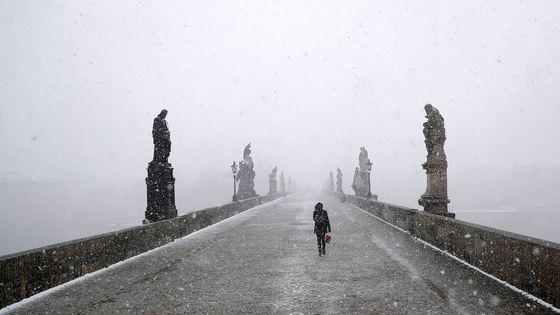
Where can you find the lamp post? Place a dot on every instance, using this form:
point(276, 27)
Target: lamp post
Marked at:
point(234, 171)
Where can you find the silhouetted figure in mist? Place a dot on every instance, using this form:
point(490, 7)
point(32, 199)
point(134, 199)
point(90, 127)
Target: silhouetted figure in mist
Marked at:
point(322, 226)
point(162, 138)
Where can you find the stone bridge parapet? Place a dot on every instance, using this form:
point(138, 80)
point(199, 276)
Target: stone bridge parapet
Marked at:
point(30, 272)
point(530, 264)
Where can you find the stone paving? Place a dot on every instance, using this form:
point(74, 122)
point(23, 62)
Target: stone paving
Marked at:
point(265, 261)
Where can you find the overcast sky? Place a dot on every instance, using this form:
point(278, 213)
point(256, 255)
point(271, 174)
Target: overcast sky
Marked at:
point(306, 82)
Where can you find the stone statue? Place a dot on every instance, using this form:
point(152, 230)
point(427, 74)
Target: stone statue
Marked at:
point(272, 181)
point(160, 181)
point(246, 175)
point(331, 182)
point(364, 162)
point(435, 200)
point(434, 132)
point(361, 183)
point(339, 181)
point(161, 137)
point(247, 153)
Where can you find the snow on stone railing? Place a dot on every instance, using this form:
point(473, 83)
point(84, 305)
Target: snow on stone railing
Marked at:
point(529, 264)
point(30, 272)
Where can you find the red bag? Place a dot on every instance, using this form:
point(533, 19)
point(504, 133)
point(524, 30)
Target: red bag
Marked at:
point(327, 239)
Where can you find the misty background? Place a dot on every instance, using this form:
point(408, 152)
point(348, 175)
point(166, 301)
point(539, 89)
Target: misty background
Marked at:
point(307, 84)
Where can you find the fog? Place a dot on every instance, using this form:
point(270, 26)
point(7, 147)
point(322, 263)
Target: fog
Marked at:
point(307, 84)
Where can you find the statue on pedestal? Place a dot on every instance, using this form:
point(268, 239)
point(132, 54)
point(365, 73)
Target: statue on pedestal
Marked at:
point(272, 181)
point(339, 181)
point(361, 183)
point(246, 175)
point(160, 181)
point(435, 200)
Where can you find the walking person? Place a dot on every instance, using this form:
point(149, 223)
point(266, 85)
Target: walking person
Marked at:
point(322, 226)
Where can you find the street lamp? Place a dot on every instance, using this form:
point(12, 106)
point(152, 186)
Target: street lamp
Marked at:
point(234, 171)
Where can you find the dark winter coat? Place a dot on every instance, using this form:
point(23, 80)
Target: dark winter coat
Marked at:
point(322, 224)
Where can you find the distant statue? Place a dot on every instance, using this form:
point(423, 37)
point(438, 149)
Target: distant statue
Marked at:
point(289, 184)
point(246, 175)
point(361, 183)
point(272, 181)
point(161, 137)
point(339, 181)
point(160, 183)
point(435, 199)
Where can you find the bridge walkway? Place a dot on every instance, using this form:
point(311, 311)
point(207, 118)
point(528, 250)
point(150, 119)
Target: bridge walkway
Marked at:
point(265, 261)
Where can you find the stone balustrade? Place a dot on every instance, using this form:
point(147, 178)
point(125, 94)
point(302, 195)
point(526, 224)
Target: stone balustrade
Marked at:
point(530, 264)
point(27, 273)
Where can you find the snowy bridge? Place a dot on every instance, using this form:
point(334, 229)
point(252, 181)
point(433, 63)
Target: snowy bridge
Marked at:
point(265, 261)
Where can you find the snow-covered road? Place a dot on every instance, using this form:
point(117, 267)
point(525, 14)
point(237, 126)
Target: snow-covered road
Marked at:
point(265, 261)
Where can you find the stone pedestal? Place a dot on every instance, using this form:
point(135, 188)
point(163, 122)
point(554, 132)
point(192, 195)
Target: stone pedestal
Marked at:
point(161, 192)
point(367, 188)
point(435, 200)
point(361, 185)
